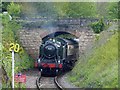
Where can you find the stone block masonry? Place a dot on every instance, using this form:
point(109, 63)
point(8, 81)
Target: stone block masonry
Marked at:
point(31, 40)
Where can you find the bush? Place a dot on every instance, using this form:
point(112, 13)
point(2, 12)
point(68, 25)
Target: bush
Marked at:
point(98, 26)
point(14, 9)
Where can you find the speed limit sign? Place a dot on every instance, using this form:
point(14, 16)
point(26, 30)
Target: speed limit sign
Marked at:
point(15, 47)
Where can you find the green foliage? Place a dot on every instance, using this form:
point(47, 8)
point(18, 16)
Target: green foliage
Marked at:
point(14, 9)
point(97, 36)
point(0, 7)
point(10, 29)
point(4, 5)
point(40, 9)
point(98, 26)
point(5, 19)
point(78, 9)
point(99, 70)
point(107, 10)
point(62, 9)
point(113, 10)
point(102, 9)
point(118, 10)
point(22, 59)
point(47, 7)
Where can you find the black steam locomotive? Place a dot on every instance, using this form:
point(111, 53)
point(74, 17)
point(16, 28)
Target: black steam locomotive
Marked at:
point(57, 52)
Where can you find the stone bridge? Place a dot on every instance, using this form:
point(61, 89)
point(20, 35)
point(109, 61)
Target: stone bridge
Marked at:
point(33, 31)
point(31, 40)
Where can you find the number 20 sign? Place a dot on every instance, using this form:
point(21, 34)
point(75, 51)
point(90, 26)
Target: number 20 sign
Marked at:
point(15, 47)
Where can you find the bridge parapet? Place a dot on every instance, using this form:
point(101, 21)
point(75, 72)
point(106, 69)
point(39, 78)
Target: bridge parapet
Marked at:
point(70, 23)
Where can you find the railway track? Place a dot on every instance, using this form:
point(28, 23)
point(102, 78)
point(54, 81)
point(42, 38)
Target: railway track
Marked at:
point(48, 82)
point(56, 80)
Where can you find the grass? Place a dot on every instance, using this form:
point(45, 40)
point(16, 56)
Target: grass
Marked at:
point(100, 70)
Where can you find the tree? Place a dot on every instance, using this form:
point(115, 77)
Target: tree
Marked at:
point(76, 9)
point(102, 9)
point(0, 7)
point(46, 9)
point(72, 9)
point(4, 6)
point(14, 9)
point(118, 10)
point(113, 10)
point(98, 26)
point(61, 8)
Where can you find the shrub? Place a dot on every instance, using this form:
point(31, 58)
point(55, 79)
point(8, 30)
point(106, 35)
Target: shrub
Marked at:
point(98, 26)
point(14, 9)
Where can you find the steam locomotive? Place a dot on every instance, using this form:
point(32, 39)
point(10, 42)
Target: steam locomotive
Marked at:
point(57, 53)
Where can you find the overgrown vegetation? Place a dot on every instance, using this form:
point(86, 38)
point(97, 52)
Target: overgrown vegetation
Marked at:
point(22, 59)
point(100, 70)
point(113, 10)
point(108, 10)
point(98, 26)
point(14, 9)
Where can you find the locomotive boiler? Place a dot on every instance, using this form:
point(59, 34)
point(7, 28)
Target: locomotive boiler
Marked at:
point(58, 51)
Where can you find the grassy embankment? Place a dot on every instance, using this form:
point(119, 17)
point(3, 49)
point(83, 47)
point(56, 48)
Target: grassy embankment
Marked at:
point(100, 69)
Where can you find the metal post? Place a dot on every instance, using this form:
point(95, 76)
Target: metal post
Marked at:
point(13, 69)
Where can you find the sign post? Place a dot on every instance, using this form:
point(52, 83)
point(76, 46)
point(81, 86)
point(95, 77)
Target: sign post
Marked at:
point(13, 68)
point(13, 48)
